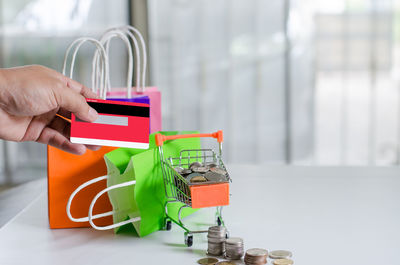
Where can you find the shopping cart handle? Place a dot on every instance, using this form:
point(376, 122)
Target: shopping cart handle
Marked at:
point(160, 139)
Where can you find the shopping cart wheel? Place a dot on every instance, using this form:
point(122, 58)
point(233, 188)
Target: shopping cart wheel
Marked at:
point(219, 222)
point(189, 240)
point(168, 225)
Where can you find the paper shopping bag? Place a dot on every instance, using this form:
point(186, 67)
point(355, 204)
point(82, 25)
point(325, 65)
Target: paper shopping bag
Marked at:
point(65, 171)
point(155, 103)
point(137, 48)
point(146, 198)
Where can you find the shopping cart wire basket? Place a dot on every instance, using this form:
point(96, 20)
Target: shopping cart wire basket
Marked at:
point(194, 195)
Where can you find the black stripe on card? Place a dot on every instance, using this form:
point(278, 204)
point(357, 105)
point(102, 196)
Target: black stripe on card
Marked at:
point(126, 110)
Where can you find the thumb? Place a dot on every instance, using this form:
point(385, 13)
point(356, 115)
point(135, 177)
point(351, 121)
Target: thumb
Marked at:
point(74, 102)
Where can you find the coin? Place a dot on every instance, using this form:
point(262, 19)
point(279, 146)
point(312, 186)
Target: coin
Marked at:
point(200, 169)
point(186, 171)
point(256, 256)
point(207, 261)
point(280, 254)
point(225, 263)
point(216, 240)
point(195, 164)
point(211, 164)
point(218, 170)
point(234, 248)
point(179, 170)
point(215, 177)
point(257, 252)
point(196, 179)
point(234, 241)
point(193, 175)
point(283, 262)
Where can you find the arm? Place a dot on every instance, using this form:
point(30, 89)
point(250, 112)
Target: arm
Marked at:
point(30, 98)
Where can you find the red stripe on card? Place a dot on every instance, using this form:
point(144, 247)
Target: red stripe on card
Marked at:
point(136, 131)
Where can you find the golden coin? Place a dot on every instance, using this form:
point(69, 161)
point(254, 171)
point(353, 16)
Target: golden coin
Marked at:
point(280, 254)
point(207, 261)
point(198, 179)
point(282, 262)
point(225, 263)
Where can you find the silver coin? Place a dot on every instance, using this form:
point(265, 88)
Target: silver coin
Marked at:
point(211, 164)
point(234, 241)
point(217, 228)
point(280, 254)
point(186, 171)
point(200, 169)
point(255, 252)
point(215, 177)
point(195, 164)
point(216, 240)
point(218, 170)
point(179, 169)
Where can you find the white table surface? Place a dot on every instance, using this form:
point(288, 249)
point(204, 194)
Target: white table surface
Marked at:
point(323, 215)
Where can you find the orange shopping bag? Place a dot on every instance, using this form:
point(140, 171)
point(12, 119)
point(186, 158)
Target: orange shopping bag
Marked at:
point(65, 172)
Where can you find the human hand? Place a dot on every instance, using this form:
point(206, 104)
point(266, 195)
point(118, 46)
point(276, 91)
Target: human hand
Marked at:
point(30, 98)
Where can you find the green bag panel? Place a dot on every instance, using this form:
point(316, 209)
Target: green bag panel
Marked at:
point(124, 206)
point(120, 157)
point(147, 198)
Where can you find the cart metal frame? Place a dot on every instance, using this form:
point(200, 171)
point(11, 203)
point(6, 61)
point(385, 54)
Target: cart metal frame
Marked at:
point(177, 189)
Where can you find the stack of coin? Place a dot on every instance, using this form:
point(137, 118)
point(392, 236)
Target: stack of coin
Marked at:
point(256, 256)
point(216, 240)
point(234, 248)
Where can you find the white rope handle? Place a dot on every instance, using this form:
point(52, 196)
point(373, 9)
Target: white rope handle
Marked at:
point(92, 217)
point(101, 86)
point(73, 194)
point(129, 29)
point(105, 40)
point(98, 195)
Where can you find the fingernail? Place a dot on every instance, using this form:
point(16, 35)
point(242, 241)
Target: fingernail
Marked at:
point(93, 114)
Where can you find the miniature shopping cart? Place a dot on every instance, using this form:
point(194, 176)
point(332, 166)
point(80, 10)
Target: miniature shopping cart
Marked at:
point(194, 195)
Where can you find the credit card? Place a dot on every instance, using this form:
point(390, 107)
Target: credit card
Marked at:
point(120, 124)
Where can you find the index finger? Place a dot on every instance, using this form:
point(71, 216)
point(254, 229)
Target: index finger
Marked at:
point(80, 88)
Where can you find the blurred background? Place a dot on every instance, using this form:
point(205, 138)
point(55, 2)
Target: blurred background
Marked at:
point(289, 81)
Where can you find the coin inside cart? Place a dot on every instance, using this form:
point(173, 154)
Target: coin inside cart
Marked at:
point(196, 177)
point(195, 164)
point(215, 177)
point(179, 170)
point(200, 169)
point(207, 261)
point(186, 171)
point(211, 164)
point(218, 170)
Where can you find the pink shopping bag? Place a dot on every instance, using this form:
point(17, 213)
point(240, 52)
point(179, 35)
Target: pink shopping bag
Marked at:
point(155, 104)
point(130, 93)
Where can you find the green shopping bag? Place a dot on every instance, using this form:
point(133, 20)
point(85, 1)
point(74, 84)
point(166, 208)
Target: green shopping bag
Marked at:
point(143, 202)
